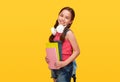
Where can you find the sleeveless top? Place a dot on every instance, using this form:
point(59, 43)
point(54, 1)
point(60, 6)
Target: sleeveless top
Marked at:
point(66, 47)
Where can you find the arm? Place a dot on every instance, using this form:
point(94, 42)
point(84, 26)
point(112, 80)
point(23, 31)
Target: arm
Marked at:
point(76, 51)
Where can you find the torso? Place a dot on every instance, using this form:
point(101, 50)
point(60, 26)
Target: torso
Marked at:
point(66, 47)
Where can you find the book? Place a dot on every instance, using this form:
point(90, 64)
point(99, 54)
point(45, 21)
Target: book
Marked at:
point(53, 54)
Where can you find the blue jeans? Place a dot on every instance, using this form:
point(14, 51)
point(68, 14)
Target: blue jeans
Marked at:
point(63, 74)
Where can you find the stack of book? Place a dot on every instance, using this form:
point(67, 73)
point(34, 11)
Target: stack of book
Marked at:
point(53, 53)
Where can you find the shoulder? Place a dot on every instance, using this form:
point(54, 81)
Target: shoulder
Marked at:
point(69, 34)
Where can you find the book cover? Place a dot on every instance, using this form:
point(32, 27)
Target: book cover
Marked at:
point(52, 57)
point(53, 54)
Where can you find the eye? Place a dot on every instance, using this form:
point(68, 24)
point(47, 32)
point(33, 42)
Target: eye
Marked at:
point(67, 17)
point(61, 15)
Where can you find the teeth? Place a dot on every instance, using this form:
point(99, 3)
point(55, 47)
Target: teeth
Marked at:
point(62, 22)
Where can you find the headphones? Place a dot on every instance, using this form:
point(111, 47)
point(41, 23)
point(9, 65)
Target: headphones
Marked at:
point(60, 28)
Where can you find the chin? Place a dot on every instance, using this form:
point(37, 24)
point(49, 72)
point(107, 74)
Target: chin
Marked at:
point(61, 24)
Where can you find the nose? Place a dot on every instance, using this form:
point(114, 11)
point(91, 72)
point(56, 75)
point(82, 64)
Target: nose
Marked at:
point(63, 18)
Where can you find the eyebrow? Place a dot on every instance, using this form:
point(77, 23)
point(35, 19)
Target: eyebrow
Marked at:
point(65, 15)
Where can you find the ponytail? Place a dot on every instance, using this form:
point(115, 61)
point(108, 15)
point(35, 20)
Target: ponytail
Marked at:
point(52, 36)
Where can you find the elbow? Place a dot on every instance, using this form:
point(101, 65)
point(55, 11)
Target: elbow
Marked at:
point(78, 52)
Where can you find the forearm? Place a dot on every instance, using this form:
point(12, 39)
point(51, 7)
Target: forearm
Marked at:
point(72, 57)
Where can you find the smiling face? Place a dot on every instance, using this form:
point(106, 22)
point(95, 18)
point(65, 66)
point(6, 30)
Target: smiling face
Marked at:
point(65, 17)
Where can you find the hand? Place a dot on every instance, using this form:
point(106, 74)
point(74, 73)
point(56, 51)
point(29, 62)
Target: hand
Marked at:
point(60, 64)
point(47, 60)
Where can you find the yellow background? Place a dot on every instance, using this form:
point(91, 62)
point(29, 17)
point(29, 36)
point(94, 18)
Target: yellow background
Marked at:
point(25, 28)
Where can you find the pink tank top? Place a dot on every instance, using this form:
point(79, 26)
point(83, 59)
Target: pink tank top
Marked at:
point(66, 47)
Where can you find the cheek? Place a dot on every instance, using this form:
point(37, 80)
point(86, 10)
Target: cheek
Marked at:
point(68, 21)
point(59, 17)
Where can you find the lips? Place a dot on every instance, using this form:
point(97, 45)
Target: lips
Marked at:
point(61, 22)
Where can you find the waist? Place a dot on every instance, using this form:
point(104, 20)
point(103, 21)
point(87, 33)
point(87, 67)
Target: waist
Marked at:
point(65, 56)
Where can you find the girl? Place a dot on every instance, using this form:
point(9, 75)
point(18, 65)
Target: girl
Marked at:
point(70, 48)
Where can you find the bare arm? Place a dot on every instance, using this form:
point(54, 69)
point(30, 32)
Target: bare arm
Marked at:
point(76, 51)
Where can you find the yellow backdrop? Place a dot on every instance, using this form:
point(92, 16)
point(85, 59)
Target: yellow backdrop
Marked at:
point(25, 28)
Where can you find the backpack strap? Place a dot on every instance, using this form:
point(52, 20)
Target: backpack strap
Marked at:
point(74, 71)
point(74, 78)
point(65, 32)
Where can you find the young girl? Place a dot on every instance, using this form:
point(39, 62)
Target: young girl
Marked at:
point(70, 48)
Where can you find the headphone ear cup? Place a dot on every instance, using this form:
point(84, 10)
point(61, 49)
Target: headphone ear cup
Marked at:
point(53, 30)
point(60, 28)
